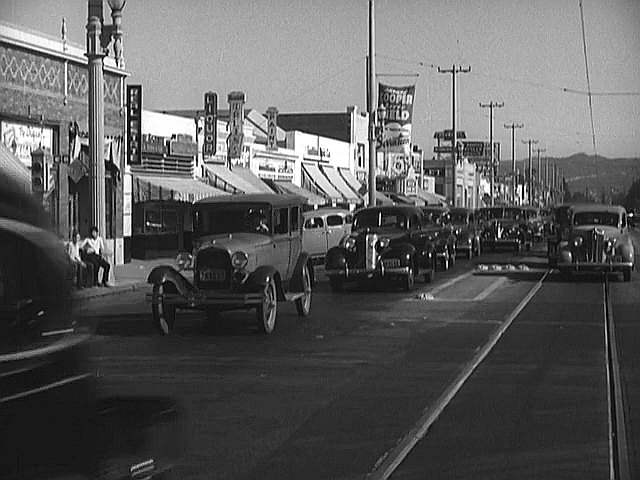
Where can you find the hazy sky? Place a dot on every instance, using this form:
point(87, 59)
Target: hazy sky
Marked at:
point(304, 55)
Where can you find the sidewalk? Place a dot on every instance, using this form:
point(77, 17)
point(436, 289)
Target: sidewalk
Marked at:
point(127, 277)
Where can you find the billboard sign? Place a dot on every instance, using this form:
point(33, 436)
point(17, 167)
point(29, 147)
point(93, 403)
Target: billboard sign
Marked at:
point(134, 124)
point(395, 136)
point(272, 128)
point(209, 146)
point(236, 120)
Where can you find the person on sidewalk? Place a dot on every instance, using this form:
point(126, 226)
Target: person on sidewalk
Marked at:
point(82, 271)
point(94, 254)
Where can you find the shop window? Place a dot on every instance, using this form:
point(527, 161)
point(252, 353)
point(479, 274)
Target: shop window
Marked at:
point(169, 221)
point(152, 221)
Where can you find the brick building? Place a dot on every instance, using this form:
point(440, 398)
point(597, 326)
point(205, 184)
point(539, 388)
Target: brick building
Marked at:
point(43, 103)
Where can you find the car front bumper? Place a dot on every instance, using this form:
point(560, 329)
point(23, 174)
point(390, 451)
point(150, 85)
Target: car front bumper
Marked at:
point(595, 266)
point(362, 273)
point(507, 242)
point(204, 299)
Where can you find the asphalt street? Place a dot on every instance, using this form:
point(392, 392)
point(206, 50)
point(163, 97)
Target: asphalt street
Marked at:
point(334, 395)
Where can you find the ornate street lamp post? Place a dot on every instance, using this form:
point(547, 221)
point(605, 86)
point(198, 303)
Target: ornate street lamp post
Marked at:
point(99, 36)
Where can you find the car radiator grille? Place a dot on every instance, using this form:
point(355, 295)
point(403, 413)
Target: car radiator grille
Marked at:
point(213, 270)
point(592, 249)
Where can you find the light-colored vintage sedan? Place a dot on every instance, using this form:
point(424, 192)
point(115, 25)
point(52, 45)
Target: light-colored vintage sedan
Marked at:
point(323, 229)
point(598, 241)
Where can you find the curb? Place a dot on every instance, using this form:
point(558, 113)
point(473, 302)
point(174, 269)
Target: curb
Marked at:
point(104, 292)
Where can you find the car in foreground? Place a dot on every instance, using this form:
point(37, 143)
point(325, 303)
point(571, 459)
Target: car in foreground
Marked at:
point(504, 227)
point(247, 255)
point(468, 234)
point(599, 241)
point(323, 229)
point(387, 242)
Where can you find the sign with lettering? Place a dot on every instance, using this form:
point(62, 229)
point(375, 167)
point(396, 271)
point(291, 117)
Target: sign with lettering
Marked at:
point(447, 135)
point(398, 114)
point(183, 149)
point(22, 139)
point(210, 124)
point(236, 120)
point(272, 128)
point(153, 144)
point(134, 124)
point(473, 149)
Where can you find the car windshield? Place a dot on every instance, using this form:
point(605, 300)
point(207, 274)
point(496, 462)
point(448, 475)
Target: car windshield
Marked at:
point(232, 218)
point(379, 219)
point(609, 219)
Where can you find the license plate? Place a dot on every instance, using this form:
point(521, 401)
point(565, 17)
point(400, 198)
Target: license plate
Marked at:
point(391, 262)
point(213, 275)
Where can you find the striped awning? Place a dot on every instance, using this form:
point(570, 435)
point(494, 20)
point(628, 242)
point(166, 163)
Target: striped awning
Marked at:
point(337, 181)
point(148, 187)
point(431, 198)
point(351, 180)
point(288, 187)
point(315, 177)
point(226, 179)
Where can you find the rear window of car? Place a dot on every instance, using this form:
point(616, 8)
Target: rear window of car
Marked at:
point(334, 220)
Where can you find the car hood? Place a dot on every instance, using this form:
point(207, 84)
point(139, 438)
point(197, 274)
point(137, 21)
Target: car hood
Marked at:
point(234, 242)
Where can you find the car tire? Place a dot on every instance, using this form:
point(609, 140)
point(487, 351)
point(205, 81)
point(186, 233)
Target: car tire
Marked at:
point(430, 275)
point(336, 284)
point(164, 316)
point(470, 253)
point(626, 275)
point(478, 248)
point(409, 280)
point(452, 259)
point(303, 304)
point(446, 264)
point(267, 310)
point(518, 248)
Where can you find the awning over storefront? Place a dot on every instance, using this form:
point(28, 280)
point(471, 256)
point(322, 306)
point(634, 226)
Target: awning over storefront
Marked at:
point(248, 176)
point(315, 177)
point(407, 200)
point(148, 187)
point(381, 198)
point(288, 187)
point(342, 186)
point(228, 180)
point(431, 198)
point(352, 181)
point(13, 168)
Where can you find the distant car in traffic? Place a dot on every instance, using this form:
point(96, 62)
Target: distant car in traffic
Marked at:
point(467, 231)
point(323, 229)
point(437, 220)
point(505, 227)
point(386, 242)
point(599, 240)
point(247, 255)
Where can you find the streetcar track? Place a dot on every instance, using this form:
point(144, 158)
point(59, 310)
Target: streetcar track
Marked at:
point(391, 460)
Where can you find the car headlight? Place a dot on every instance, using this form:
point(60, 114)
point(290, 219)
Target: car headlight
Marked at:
point(577, 241)
point(239, 260)
point(349, 242)
point(184, 261)
point(609, 245)
point(384, 242)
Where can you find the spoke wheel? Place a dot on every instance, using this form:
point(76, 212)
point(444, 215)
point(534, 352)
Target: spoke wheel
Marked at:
point(303, 304)
point(267, 311)
point(164, 316)
point(409, 280)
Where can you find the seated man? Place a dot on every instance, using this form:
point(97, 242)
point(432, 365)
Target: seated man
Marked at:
point(94, 254)
point(82, 271)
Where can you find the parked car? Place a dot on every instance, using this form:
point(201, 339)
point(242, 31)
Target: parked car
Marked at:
point(437, 220)
point(386, 242)
point(467, 231)
point(504, 227)
point(53, 423)
point(323, 229)
point(247, 254)
point(599, 240)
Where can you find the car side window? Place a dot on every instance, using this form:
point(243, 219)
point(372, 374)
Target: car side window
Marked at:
point(334, 220)
point(281, 221)
point(314, 222)
point(295, 219)
point(624, 221)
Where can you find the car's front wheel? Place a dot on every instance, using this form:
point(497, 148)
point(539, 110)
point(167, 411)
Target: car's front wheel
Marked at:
point(267, 310)
point(409, 280)
point(429, 276)
point(164, 315)
point(303, 304)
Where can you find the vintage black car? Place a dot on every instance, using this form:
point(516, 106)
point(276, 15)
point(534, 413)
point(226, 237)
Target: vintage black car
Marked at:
point(52, 424)
point(437, 220)
point(386, 242)
point(467, 231)
point(247, 254)
point(505, 227)
point(556, 229)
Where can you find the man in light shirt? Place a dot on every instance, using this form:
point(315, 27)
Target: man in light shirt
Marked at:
point(94, 254)
point(83, 271)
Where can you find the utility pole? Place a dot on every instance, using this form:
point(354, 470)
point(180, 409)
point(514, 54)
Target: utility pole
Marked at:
point(513, 127)
point(546, 178)
point(529, 180)
point(539, 172)
point(372, 107)
point(491, 105)
point(454, 141)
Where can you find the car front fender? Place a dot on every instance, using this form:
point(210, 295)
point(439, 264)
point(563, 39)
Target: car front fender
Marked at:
point(166, 273)
point(627, 253)
point(336, 259)
point(565, 256)
point(296, 284)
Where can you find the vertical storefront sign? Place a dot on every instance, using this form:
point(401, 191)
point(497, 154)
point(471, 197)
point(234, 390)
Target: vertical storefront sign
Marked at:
point(272, 128)
point(236, 120)
point(209, 147)
point(134, 124)
point(396, 125)
point(23, 139)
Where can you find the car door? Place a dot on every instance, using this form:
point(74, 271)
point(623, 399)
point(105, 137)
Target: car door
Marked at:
point(315, 236)
point(335, 229)
point(295, 234)
point(281, 241)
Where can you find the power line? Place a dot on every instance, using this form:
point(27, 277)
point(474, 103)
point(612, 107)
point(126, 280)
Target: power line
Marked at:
point(586, 67)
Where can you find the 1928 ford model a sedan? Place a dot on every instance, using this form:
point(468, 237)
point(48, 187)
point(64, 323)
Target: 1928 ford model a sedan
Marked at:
point(598, 241)
point(247, 254)
point(386, 242)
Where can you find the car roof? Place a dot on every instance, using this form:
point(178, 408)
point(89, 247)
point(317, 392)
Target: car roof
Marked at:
point(326, 211)
point(274, 199)
point(597, 207)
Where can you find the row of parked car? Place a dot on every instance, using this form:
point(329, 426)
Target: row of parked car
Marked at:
point(254, 251)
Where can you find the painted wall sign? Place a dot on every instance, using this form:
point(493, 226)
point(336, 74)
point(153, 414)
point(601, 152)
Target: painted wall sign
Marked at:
point(22, 139)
